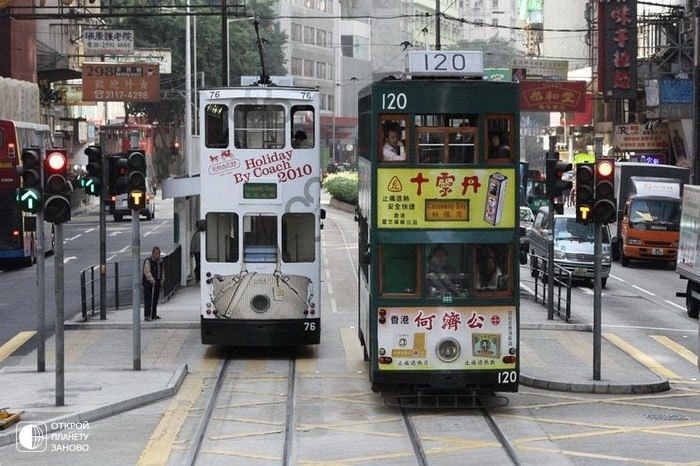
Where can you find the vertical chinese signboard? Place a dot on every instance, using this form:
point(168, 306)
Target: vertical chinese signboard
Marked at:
point(617, 48)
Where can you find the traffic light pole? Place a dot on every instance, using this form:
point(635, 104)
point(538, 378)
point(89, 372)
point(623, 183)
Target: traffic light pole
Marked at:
point(103, 229)
point(136, 291)
point(59, 337)
point(41, 285)
point(597, 286)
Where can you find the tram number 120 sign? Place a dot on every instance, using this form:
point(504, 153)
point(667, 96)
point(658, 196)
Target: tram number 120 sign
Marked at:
point(433, 63)
point(121, 82)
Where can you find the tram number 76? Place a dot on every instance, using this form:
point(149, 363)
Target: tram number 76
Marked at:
point(309, 326)
point(507, 377)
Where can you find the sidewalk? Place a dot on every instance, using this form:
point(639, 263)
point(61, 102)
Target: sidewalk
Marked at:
point(555, 355)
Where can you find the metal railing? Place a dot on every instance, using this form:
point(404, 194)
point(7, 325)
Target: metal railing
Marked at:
point(119, 281)
point(562, 286)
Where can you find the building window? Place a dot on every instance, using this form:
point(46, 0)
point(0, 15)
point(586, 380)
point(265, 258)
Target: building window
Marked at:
point(296, 32)
point(308, 35)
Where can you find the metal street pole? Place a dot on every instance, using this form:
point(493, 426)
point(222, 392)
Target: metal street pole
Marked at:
point(41, 284)
point(224, 43)
point(597, 285)
point(58, 294)
point(103, 227)
point(550, 239)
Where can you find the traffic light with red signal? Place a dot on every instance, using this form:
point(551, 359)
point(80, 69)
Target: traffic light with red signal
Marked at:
point(57, 188)
point(605, 207)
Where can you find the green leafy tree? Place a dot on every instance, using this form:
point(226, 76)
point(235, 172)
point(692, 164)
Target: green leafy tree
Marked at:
point(160, 27)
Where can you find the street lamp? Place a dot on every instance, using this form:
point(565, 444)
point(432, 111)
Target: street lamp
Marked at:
point(226, 45)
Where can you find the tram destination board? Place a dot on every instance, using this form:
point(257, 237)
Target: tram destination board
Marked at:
point(121, 82)
point(260, 191)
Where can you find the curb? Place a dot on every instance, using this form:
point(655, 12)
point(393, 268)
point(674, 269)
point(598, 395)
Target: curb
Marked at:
point(111, 409)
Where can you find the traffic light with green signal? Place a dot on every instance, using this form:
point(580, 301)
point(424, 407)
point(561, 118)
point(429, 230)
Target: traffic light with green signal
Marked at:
point(556, 185)
point(29, 196)
point(93, 182)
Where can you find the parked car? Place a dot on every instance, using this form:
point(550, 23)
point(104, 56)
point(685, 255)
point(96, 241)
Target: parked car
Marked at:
point(573, 246)
point(121, 204)
point(527, 218)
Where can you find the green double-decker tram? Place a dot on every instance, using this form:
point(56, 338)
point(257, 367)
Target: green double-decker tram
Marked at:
point(438, 232)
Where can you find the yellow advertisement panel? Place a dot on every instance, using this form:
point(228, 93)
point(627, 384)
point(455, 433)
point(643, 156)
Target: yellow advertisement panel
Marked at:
point(447, 338)
point(446, 198)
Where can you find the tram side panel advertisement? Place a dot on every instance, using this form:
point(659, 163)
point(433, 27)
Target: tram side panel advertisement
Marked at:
point(446, 198)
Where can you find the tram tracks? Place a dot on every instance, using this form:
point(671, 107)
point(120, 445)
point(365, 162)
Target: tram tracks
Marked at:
point(256, 410)
point(475, 422)
point(249, 414)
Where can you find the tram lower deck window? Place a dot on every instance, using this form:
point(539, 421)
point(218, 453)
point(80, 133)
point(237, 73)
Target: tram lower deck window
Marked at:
point(221, 237)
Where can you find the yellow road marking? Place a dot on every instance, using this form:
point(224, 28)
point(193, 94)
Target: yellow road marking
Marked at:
point(641, 357)
point(164, 436)
point(15, 343)
point(680, 350)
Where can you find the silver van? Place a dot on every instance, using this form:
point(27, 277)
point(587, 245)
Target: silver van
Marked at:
point(573, 245)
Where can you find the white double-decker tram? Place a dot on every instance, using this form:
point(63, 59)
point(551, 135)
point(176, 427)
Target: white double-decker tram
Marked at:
point(260, 216)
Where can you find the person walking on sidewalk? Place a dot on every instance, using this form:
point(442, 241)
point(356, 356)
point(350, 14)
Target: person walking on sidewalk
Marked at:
point(153, 275)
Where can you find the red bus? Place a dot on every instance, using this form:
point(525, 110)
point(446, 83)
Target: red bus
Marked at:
point(119, 137)
point(18, 229)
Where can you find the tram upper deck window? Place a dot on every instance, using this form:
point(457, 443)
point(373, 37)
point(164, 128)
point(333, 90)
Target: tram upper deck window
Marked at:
point(447, 138)
point(259, 126)
point(493, 269)
point(221, 237)
point(447, 270)
point(303, 124)
point(393, 142)
point(500, 138)
point(216, 126)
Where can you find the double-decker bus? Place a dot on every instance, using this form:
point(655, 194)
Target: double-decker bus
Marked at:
point(121, 138)
point(18, 230)
point(439, 232)
point(260, 216)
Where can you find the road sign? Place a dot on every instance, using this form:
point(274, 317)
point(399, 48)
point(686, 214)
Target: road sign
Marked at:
point(123, 82)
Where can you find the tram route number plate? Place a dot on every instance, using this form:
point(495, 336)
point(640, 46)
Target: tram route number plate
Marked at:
point(437, 62)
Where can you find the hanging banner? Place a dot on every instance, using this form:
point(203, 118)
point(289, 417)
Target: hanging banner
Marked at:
point(552, 96)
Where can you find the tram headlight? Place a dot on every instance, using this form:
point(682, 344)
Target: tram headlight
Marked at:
point(260, 303)
point(448, 350)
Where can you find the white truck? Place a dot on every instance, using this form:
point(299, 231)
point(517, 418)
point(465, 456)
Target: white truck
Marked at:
point(648, 212)
point(688, 262)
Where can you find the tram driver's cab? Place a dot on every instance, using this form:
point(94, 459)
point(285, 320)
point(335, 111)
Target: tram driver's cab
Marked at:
point(459, 270)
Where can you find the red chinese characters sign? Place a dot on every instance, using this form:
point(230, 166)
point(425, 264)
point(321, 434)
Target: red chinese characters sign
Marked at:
point(617, 48)
point(552, 96)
